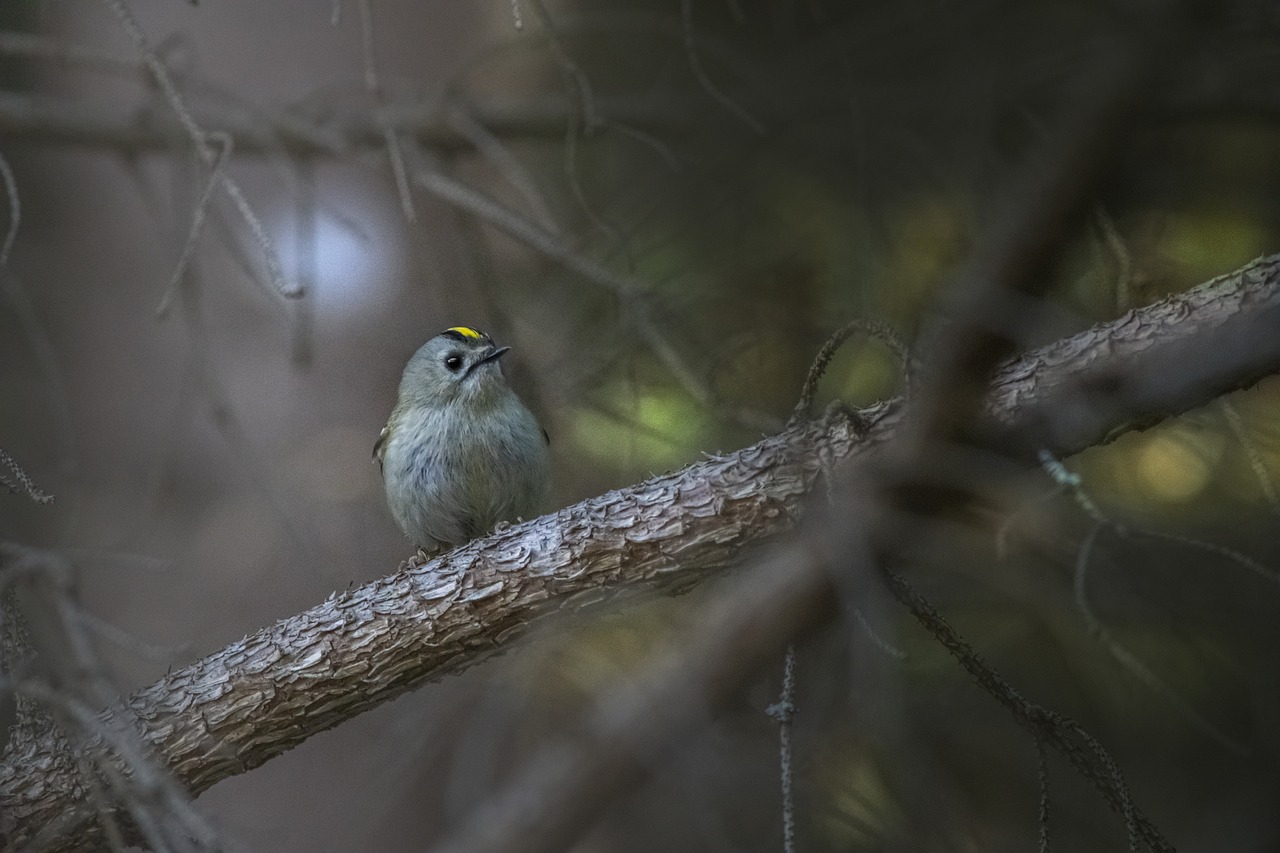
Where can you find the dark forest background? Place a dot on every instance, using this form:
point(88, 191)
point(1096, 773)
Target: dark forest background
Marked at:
point(692, 197)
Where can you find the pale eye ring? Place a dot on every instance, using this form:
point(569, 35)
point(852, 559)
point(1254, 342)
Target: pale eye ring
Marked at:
point(453, 361)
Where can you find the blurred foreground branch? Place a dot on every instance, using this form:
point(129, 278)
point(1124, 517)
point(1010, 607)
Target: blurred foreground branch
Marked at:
point(237, 708)
point(46, 121)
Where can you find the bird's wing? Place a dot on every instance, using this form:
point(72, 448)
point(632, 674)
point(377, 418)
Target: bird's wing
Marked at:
point(380, 446)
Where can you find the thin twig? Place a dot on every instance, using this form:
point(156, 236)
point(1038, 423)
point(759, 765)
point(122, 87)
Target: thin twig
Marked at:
point(200, 141)
point(1256, 462)
point(874, 636)
point(1132, 818)
point(75, 123)
point(573, 175)
point(32, 490)
point(1042, 775)
point(106, 750)
point(489, 146)
point(628, 289)
point(1006, 528)
point(307, 251)
point(1124, 260)
point(520, 228)
point(784, 712)
point(374, 88)
point(1070, 481)
point(700, 73)
point(43, 47)
point(1127, 659)
point(122, 639)
point(1073, 483)
point(198, 216)
point(648, 140)
point(1055, 729)
point(1243, 560)
point(572, 72)
point(15, 209)
point(818, 367)
point(584, 122)
point(52, 381)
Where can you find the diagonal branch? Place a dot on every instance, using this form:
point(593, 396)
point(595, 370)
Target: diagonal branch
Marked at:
point(239, 707)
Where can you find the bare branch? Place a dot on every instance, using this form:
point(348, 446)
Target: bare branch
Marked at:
point(1256, 461)
point(695, 64)
point(15, 210)
point(630, 290)
point(1134, 665)
point(33, 119)
point(374, 88)
point(200, 141)
point(784, 711)
point(34, 46)
point(874, 328)
point(1046, 198)
point(489, 146)
point(198, 217)
point(29, 486)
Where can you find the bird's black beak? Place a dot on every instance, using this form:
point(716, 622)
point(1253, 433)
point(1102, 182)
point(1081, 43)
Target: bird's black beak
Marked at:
point(492, 355)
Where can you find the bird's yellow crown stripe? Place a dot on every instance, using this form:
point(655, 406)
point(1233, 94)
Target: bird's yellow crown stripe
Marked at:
point(466, 332)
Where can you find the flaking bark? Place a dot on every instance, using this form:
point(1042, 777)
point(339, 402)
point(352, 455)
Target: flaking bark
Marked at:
point(235, 709)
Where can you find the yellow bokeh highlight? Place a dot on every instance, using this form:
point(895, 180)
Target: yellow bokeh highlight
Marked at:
point(1173, 469)
point(873, 374)
point(860, 810)
point(814, 219)
point(1205, 243)
point(603, 652)
point(931, 235)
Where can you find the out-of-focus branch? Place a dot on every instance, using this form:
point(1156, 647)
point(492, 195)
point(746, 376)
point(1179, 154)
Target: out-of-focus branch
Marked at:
point(47, 121)
point(1118, 387)
point(199, 140)
point(255, 699)
point(986, 306)
point(987, 301)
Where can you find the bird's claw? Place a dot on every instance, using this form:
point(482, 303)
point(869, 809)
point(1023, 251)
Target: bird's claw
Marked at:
point(418, 559)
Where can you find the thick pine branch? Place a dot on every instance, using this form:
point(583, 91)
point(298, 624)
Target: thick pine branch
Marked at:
point(257, 698)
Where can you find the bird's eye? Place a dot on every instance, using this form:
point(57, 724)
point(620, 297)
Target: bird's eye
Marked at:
point(453, 361)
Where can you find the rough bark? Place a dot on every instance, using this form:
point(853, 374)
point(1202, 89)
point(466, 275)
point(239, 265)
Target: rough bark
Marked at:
point(239, 707)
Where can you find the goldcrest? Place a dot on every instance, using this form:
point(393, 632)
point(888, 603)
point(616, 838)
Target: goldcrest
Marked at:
point(460, 452)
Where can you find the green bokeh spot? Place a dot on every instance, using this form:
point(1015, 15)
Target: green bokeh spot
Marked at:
point(654, 430)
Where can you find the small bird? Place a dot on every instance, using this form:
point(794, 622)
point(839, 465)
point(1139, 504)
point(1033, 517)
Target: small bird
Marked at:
point(461, 452)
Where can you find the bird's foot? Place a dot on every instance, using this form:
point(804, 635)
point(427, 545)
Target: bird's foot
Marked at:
point(419, 559)
point(502, 527)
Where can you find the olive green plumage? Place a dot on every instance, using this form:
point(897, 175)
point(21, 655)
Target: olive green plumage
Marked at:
point(460, 452)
